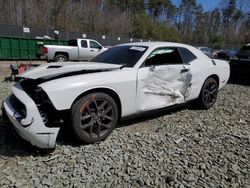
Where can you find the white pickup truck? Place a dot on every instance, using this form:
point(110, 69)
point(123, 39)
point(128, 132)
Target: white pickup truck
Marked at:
point(77, 50)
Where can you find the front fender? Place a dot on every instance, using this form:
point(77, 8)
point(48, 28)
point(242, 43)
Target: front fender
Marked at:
point(63, 94)
point(64, 91)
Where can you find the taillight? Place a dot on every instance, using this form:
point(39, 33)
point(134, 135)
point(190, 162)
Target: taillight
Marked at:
point(45, 50)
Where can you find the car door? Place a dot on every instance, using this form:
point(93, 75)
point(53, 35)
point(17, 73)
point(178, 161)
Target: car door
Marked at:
point(95, 48)
point(163, 80)
point(84, 50)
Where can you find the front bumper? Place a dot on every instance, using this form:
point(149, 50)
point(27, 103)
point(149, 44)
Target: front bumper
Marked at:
point(31, 127)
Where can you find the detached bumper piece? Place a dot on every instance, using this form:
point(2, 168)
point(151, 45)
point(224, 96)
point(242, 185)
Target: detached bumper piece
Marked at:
point(25, 116)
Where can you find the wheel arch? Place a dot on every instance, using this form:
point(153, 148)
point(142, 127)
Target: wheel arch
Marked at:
point(107, 91)
point(61, 53)
point(199, 100)
point(214, 76)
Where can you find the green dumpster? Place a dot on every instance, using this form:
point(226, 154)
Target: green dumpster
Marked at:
point(13, 48)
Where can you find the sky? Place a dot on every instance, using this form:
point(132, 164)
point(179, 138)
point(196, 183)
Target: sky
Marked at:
point(207, 4)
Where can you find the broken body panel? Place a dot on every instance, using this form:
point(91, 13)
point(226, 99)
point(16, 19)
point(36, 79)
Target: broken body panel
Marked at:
point(164, 86)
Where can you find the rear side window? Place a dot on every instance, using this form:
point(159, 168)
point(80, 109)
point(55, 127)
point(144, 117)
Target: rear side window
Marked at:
point(164, 56)
point(186, 55)
point(72, 42)
point(84, 44)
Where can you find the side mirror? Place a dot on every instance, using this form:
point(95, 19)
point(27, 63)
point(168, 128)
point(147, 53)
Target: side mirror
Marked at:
point(152, 68)
point(148, 62)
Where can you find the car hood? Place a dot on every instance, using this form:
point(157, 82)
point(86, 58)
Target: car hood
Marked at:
point(58, 70)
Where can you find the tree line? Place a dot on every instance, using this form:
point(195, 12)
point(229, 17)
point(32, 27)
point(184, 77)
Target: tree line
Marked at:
point(227, 25)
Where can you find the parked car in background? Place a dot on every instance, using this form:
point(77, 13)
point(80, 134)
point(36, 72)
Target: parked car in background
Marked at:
point(226, 54)
point(242, 57)
point(206, 50)
point(77, 50)
point(125, 80)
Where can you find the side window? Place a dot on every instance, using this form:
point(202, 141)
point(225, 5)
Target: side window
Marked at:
point(164, 56)
point(186, 55)
point(94, 45)
point(84, 44)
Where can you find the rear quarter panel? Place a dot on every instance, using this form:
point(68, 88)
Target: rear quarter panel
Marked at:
point(203, 68)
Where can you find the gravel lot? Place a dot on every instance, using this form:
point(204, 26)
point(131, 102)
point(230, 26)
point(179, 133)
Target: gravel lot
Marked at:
point(181, 148)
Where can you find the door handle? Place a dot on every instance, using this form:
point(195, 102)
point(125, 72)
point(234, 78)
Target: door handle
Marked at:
point(91, 50)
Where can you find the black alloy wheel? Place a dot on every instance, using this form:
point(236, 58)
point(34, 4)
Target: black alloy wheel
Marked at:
point(208, 93)
point(94, 117)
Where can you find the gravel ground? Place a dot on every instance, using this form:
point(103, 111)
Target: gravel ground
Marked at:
point(181, 148)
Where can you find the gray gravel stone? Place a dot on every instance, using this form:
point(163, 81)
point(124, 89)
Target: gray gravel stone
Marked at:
point(182, 148)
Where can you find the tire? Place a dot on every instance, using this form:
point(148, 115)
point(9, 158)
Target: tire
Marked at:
point(93, 117)
point(61, 58)
point(4, 115)
point(208, 94)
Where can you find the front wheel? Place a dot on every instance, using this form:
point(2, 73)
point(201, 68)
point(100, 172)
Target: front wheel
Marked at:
point(94, 117)
point(208, 93)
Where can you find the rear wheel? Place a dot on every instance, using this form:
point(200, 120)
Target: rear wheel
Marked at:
point(208, 93)
point(94, 117)
point(61, 58)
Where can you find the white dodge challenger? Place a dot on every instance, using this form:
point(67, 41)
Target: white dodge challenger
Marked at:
point(125, 80)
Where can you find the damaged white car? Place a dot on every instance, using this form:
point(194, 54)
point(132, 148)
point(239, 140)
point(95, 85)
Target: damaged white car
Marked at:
point(125, 80)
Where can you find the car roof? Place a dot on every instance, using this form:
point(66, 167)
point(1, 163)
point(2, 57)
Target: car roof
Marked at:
point(153, 45)
point(157, 44)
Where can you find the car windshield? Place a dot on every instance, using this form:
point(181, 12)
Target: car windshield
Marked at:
point(122, 55)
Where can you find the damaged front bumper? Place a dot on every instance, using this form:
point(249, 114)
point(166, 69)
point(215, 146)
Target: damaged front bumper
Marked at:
point(29, 126)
